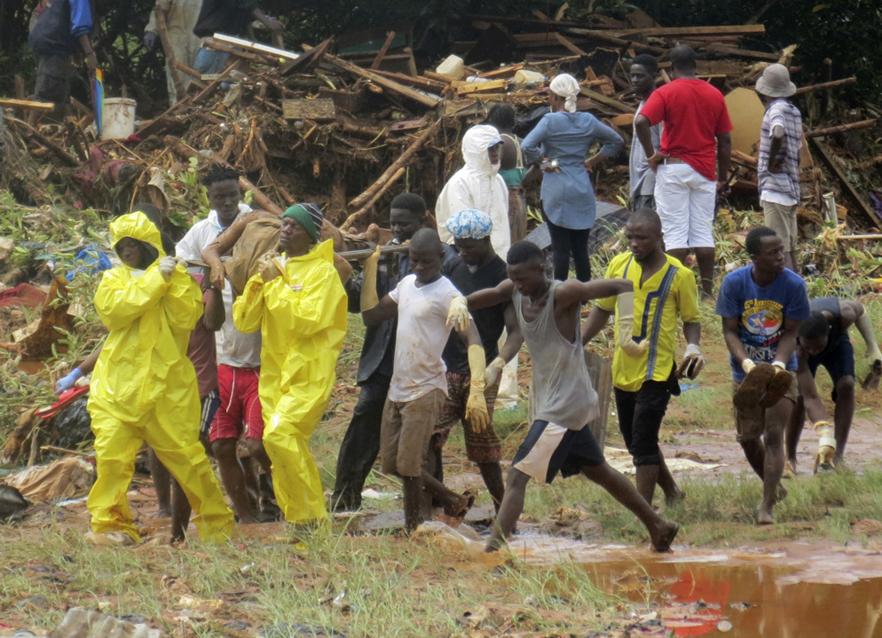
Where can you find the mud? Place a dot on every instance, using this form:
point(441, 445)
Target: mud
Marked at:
point(793, 589)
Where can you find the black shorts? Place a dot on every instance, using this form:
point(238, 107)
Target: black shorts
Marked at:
point(550, 448)
point(837, 358)
point(640, 419)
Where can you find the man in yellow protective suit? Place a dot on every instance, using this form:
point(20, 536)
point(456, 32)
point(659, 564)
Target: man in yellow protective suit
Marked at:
point(144, 388)
point(298, 303)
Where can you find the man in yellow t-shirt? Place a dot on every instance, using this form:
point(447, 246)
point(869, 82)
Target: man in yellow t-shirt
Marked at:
point(665, 293)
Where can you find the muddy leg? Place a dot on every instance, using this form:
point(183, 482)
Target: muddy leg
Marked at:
point(755, 452)
point(776, 418)
point(492, 475)
point(661, 531)
point(510, 509)
point(454, 504)
point(161, 484)
point(843, 414)
point(666, 482)
point(647, 477)
point(413, 502)
point(233, 478)
point(180, 513)
point(705, 258)
point(794, 431)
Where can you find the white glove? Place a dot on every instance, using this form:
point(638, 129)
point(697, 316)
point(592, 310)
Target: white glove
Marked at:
point(747, 365)
point(167, 266)
point(693, 361)
point(625, 323)
point(458, 316)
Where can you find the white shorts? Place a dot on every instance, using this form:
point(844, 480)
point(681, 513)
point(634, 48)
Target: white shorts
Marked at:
point(685, 201)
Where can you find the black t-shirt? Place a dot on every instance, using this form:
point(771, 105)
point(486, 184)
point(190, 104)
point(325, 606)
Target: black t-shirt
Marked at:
point(224, 16)
point(490, 321)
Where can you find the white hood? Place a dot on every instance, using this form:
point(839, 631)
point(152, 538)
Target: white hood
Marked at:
point(475, 143)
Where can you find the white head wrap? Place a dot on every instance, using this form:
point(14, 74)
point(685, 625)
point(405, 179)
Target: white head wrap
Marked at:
point(567, 87)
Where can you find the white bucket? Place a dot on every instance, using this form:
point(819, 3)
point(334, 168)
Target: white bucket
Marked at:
point(118, 118)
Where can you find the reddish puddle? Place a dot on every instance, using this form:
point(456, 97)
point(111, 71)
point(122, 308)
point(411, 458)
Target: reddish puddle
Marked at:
point(796, 590)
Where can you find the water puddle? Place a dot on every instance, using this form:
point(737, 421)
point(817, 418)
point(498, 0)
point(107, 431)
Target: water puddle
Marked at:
point(789, 590)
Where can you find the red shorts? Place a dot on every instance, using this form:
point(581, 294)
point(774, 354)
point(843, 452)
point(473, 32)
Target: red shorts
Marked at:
point(239, 411)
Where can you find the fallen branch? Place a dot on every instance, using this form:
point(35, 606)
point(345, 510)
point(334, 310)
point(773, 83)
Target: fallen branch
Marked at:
point(62, 154)
point(358, 215)
point(851, 126)
point(825, 85)
point(402, 161)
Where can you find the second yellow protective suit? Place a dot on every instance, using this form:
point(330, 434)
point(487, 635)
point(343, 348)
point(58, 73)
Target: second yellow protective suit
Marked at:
point(144, 388)
point(302, 318)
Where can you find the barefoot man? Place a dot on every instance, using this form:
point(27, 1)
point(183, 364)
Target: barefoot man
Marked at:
point(761, 305)
point(545, 314)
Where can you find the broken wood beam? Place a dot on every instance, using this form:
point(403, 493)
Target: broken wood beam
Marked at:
point(426, 99)
point(685, 32)
point(256, 47)
point(624, 43)
point(378, 59)
point(744, 159)
point(59, 152)
point(26, 105)
point(418, 81)
point(832, 84)
point(308, 60)
point(402, 161)
point(864, 237)
point(170, 59)
point(842, 128)
point(600, 98)
point(355, 217)
point(847, 186)
point(569, 45)
point(363, 253)
point(728, 50)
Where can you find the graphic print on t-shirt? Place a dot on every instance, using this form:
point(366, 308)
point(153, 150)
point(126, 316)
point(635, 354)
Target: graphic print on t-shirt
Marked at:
point(761, 324)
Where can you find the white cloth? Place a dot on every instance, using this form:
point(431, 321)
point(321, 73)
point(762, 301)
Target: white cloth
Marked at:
point(181, 17)
point(774, 197)
point(642, 177)
point(235, 348)
point(420, 337)
point(567, 87)
point(201, 234)
point(479, 185)
point(685, 200)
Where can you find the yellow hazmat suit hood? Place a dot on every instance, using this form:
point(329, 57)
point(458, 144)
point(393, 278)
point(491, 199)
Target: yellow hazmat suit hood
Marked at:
point(137, 226)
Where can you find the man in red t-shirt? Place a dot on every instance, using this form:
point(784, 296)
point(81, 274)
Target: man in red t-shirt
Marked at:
point(696, 131)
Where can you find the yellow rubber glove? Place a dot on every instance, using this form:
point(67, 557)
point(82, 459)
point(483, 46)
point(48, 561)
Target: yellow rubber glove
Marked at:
point(458, 316)
point(747, 365)
point(369, 298)
point(625, 323)
point(476, 406)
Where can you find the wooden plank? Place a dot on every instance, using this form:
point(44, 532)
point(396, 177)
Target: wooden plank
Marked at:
point(847, 186)
point(730, 29)
point(505, 71)
point(842, 128)
point(569, 45)
point(27, 105)
point(418, 81)
point(319, 109)
point(426, 99)
point(826, 85)
point(725, 49)
point(467, 88)
point(613, 103)
point(378, 59)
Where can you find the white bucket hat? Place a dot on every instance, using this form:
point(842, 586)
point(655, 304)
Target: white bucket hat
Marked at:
point(775, 82)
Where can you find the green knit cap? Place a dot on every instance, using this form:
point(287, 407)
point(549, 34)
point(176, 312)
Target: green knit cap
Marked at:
point(307, 215)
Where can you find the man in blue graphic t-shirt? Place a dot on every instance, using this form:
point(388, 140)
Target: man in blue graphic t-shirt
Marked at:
point(761, 305)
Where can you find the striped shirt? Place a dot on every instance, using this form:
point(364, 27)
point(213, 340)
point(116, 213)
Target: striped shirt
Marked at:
point(784, 185)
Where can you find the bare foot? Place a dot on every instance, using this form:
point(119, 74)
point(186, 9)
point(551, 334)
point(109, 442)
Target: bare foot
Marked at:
point(462, 506)
point(764, 515)
point(663, 536)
